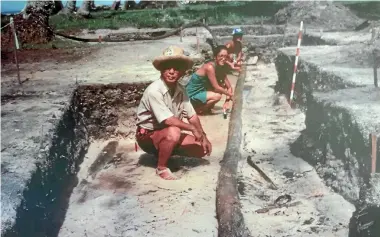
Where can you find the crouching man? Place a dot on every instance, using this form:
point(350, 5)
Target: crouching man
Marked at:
point(235, 47)
point(161, 111)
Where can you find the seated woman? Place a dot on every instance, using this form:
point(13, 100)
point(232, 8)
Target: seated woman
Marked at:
point(210, 82)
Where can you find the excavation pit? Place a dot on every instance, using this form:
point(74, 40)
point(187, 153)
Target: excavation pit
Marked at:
point(334, 86)
point(118, 191)
point(41, 208)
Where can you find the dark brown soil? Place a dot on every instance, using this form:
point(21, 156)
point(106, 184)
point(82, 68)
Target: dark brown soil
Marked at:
point(106, 107)
point(46, 55)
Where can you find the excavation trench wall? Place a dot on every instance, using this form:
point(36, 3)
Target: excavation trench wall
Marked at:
point(94, 113)
point(225, 31)
point(309, 78)
point(265, 46)
point(336, 139)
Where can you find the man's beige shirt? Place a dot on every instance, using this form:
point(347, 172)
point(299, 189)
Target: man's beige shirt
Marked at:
point(157, 105)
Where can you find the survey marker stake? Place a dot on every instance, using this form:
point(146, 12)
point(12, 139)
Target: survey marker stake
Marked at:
point(374, 151)
point(181, 35)
point(296, 64)
point(196, 34)
point(375, 66)
point(16, 46)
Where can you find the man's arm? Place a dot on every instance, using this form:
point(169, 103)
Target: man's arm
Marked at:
point(194, 120)
point(239, 57)
point(207, 147)
point(173, 121)
point(240, 54)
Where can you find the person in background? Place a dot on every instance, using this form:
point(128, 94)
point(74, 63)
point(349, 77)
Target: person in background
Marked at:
point(210, 82)
point(234, 48)
point(161, 111)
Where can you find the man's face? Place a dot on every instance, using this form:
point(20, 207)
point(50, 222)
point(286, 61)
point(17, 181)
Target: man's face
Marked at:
point(238, 38)
point(172, 71)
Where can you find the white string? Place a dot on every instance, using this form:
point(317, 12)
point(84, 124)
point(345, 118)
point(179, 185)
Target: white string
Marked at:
point(5, 25)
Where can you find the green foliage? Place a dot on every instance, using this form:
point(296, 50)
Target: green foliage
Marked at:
point(367, 10)
point(218, 13)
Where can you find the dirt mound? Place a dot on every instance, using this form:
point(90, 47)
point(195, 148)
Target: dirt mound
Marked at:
point(318, 14)
point(31, 30)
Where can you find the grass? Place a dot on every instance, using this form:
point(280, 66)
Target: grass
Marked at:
point(58, 43)
point(217, 14)
point(365, 10)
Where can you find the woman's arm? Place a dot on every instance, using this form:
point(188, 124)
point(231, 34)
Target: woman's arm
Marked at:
point(229, 88)
point(210, 71)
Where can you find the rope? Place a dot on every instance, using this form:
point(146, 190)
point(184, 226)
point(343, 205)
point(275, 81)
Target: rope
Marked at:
point(197, 22)
point(5, 25)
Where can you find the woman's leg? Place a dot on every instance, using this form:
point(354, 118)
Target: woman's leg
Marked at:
point(211, 99)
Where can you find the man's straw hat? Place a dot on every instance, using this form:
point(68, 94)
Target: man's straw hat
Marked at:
point(173, 53)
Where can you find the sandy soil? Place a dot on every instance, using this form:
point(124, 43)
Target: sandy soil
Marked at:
point(269, 125)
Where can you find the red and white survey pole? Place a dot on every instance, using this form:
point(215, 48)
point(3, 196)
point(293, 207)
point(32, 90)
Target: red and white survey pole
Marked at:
point(296, 63)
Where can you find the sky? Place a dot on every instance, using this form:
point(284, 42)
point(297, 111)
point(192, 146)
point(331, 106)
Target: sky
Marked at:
point(12, 6)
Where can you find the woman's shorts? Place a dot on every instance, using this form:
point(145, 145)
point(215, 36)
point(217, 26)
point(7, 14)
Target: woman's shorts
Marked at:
point(199, 99)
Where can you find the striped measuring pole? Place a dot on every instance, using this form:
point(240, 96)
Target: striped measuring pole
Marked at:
point(296, 63)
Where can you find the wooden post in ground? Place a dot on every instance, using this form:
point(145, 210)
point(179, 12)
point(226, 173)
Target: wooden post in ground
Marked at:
point(181, 35)
point(15, 48)
point(284, 36)
point(196, 33)
point(375, 66)
point(374, 153)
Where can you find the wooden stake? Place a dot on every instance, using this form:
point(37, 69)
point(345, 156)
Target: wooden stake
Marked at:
point(181, 35)
point(196, 33)
point(15, 48)
point(375, 65)
point(374, 148)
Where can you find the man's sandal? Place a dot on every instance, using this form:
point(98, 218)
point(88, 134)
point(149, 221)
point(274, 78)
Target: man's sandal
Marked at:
point(166, 174)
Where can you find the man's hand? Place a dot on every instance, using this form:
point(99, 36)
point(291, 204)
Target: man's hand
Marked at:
point(197, 134)
point(236, 67)
point(206, 145)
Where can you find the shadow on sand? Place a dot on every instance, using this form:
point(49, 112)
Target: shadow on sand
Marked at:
point(175, 163)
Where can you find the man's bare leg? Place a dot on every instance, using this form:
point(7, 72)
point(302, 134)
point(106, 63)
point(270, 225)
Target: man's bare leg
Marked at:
point(165, 141)
point(190, 147)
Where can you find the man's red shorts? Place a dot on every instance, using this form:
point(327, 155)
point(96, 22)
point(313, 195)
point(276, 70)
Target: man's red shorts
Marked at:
point(145, 141)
